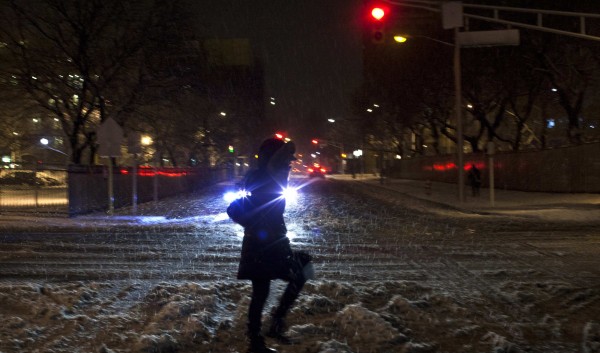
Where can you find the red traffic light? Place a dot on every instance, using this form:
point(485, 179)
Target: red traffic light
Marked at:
point(378, 13)
point(378, 18)
point(315, 141)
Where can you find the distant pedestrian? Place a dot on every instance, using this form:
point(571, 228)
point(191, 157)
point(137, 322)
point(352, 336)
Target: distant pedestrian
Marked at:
point(266, 251)
point(474, 180)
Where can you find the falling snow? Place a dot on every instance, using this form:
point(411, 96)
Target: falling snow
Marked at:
point(394, 274)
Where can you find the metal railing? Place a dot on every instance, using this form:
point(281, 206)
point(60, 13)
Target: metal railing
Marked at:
point(83, 189)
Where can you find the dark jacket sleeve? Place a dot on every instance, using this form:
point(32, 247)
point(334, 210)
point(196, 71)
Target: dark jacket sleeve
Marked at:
point(266, 196)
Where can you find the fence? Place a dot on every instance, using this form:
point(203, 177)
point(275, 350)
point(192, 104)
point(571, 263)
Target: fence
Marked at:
point(570, 169)
point(88, 186)
point(83, 189)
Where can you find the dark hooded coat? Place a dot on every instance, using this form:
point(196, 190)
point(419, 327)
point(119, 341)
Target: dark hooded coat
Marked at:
point(266, 251)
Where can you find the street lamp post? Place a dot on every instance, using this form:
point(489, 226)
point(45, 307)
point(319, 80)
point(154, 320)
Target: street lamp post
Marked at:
point(452, 18)
point(339, 145)
point(457, 103)
point(459, 122)
point(45, 142)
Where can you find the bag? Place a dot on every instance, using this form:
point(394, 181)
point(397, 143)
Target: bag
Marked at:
point(302, 263)
point(241, 211)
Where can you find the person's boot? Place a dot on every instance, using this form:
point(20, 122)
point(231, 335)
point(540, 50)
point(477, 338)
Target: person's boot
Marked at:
point(277, 331)
point(257, 345)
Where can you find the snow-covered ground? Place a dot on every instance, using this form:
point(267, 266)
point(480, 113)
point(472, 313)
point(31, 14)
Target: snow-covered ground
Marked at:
point(331, 316)
point(390, 278)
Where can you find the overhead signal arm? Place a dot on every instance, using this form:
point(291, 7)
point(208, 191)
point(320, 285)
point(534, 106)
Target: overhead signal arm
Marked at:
point(497, 11)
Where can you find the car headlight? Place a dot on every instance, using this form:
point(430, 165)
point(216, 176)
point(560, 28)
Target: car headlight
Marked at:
point(230, 196)
point(290, 194)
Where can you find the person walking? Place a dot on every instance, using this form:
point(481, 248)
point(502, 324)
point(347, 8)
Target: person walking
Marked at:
point(475, 180)
point(266, 252)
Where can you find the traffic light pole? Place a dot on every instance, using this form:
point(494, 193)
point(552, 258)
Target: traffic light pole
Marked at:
point(453, 17)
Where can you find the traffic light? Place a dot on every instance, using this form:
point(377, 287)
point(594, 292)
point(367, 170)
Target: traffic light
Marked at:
point(230, 148)
point(315, 142)
point(377, 17)
point(377, 13)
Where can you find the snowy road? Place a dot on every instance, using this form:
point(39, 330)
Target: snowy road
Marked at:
point(439, 277)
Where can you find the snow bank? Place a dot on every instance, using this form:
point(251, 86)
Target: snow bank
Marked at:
point(331, 317)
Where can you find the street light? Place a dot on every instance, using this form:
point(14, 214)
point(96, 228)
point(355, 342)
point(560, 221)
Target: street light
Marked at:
point(44, 141)
point(146, 140)
point(458, 108)
point(404, 37)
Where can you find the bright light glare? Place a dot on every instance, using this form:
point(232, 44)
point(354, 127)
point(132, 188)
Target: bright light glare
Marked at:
point(152, 219)
point(230, 196)
point(146, 140)
point(400, 39)
point(377, 13)
point(290, 194)
point(221, 217)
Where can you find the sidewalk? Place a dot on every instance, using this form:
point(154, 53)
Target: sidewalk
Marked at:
point(576, 207)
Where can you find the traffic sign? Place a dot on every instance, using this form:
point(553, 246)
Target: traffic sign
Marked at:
point(110, 136)
point(452, 14)
point(488, 38)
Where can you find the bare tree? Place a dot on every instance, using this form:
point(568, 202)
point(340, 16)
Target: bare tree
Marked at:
point(570, 66)
point(80, 60)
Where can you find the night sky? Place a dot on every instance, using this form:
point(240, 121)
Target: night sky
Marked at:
point(311, 50)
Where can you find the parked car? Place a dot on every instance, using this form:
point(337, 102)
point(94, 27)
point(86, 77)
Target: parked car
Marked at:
point(28, 178)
